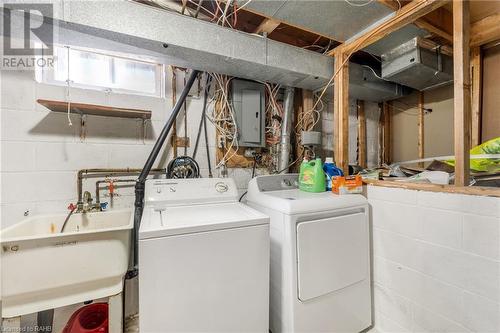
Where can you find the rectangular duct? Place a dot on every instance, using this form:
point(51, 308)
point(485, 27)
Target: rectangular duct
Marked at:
point(171, 38)
point(366, 85)
point(418, 67)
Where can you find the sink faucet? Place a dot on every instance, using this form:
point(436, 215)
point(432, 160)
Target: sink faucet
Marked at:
point(86, 205)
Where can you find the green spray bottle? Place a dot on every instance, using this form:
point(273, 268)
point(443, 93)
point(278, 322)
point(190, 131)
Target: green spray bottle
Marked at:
point(312, 176)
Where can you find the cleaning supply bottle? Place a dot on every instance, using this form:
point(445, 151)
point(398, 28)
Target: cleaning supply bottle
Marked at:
point(331, 170)
point(311, 176)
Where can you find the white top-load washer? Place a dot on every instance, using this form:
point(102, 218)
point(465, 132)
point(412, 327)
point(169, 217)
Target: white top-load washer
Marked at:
point(320, 257)
point(203, 259)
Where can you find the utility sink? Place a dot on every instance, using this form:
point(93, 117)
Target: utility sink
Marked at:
point(42, 268)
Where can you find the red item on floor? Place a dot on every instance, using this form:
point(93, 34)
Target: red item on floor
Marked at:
point(92, 318)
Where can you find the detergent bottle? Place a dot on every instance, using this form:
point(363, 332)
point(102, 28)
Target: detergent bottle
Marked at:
point(311, 176)
point(331, 170)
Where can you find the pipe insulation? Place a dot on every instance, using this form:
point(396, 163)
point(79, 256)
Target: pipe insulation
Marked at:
point(286, 130)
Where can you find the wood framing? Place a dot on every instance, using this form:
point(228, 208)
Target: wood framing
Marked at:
point(341, 111)
point(362, 160)
point(406, 15)
point(461, 89)
point(386, 132)
point(476, 95)
point(267, 26)
point(439, 22)
point(485, 31)
point(421, 137)
point(471, 190)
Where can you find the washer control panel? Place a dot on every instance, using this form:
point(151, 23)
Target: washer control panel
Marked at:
point(194, 190)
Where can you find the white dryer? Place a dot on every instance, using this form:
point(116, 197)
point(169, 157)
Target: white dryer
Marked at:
point(203, 259)
point(320, 257)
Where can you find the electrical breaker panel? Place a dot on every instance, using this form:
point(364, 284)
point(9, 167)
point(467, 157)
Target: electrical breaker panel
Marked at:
point(249, 107)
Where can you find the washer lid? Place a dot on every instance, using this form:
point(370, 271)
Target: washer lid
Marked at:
point(177, 220)
point(295, 201)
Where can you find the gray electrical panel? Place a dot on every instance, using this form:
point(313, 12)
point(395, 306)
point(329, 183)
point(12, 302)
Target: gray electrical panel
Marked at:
point(249, 106)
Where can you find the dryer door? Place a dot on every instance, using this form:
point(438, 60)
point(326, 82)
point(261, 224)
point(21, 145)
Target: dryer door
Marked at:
point(332, 253)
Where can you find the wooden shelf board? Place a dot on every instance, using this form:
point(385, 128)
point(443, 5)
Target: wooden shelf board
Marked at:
point(95, 110)
point(471, 190)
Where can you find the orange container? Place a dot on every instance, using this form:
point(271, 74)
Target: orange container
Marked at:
point(347, 185)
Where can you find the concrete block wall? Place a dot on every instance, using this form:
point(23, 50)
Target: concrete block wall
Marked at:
point(436, 261)
point(41, 153)
point(372, 113)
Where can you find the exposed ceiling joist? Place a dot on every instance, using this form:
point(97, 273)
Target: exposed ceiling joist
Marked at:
point(438, 22)
point(485, 31)
point(406, 15)
point(267, 26)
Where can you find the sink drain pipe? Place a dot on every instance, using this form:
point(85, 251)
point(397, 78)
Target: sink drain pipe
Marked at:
point(140, 183)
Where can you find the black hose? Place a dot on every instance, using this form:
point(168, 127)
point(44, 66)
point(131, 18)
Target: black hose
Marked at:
point(183, 167)
point(140, 184)
point(203, 122)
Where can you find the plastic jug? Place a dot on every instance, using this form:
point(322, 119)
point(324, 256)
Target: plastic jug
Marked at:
point(331, 170)
point(312, 176)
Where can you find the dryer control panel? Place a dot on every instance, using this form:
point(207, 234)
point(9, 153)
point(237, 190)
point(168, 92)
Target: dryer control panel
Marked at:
point(278, 182)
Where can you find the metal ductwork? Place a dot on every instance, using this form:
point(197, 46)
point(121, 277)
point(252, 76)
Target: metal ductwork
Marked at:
point(417, 65)
point(174, 39)
point(365, 84)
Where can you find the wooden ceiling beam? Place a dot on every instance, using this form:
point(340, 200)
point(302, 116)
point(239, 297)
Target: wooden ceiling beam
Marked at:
point(438, 23)
point(485, 31)
point(267, 26)
point(266, 17)
point(406, 15)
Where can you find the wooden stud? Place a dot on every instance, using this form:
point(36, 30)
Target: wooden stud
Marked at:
point(406, 15)
point(461, 89)
point(298, 116)
point(476, 97)
point(386, 132)
point(421, 137)
point(307, 105)
point(381, 133)
point(341, 111)
point(361, 133)
point(267, 26)
point(485, 31)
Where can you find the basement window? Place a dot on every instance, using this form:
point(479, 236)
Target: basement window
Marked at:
point(107, 72)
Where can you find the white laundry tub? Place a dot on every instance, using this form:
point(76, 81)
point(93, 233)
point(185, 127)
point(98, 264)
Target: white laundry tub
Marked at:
point(44, 269)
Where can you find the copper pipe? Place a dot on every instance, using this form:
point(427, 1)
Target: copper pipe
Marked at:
point(99, 182)
point(103, 172)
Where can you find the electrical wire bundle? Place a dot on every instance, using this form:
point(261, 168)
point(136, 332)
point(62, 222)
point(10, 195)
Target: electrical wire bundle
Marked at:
point(223, 118)
point(183, 167)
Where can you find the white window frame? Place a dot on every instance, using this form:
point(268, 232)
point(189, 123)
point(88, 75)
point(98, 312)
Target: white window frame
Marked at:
point(46, 74)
